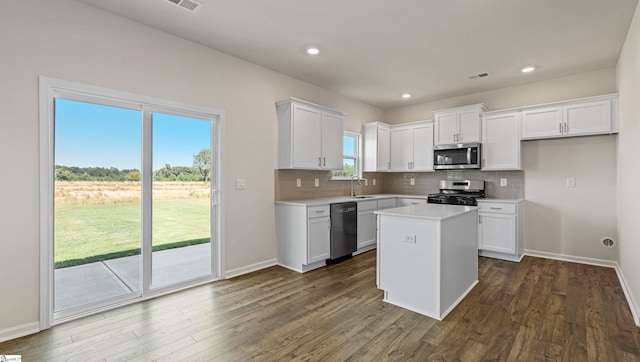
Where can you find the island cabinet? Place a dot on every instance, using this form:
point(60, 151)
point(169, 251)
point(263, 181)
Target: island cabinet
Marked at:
point(458, 125)
point(303, 234)
point(580, 117)
point(377, 147)
point(500, 229)
point(427, 256)
point(412, 147)
point(501, 141)
point(309, 136)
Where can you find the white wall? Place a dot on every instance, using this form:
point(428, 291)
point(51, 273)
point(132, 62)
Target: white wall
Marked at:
point(73, 41)
point(628, 76)
point(558, 220)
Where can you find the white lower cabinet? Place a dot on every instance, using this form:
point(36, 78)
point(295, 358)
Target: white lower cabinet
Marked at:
point(404, 201)
point(303, 235)
point(319, 234)
point(366, 224)
point(500, 229)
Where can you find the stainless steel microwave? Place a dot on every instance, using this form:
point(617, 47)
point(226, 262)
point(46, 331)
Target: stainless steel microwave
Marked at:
point(457, 156)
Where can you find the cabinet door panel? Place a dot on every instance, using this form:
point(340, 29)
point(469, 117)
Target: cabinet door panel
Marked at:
point(366, 228)
point(306, 143)
point(446, 128)
point(400, 149)
point(469, 126)
point(422, 139)
point(497, 232)
point(541, 123)
point(384, 153)
point(501, 142)
point(319, 232)
point(588, 118)
point(332, 136)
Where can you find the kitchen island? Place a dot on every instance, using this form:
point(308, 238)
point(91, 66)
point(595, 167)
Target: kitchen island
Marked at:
point(427, 256)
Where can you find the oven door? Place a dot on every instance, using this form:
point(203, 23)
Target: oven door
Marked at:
point(458, 156)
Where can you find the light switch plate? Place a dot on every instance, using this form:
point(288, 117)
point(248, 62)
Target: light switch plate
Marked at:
point(503, 182)
point(316, 182)
point(412, 181)
point(241, 184)
point(409, 238)
point(298, 182)
point(571, 182)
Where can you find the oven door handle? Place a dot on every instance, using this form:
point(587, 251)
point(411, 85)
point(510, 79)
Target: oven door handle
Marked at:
point(468, 155)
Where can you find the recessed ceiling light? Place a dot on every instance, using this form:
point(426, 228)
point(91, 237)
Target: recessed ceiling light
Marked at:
point(528, 69)
point(406, 96)
point(313, 51)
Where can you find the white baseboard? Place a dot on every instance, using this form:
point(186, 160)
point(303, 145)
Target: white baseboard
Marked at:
point(633, 304)
point(249, 268)
point(571, 258)
point(19, 331)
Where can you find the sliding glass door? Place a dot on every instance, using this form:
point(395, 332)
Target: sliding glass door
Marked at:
point(97, 203)
point(181, 194)
point(130, 201)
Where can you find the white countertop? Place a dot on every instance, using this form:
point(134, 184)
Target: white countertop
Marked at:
point(333, 200)
point(428, 211)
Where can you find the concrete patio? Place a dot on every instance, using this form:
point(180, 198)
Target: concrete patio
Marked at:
point(94, 282)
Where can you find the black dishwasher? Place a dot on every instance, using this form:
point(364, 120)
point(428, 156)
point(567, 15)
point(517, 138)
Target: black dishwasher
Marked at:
point(344, 229)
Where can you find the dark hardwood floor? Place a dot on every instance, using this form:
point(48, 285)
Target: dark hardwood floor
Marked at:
point(538, 309)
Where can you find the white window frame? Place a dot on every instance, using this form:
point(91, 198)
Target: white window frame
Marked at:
point(50, 89)
point(357, 157)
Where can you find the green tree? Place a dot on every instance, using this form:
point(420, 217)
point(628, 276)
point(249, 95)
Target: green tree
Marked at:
point(133, 175)
point(202, 161)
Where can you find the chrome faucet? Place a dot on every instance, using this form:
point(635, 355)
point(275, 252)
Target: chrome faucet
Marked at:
point(354, 177)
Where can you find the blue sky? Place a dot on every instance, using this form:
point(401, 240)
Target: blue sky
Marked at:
point(91, 135)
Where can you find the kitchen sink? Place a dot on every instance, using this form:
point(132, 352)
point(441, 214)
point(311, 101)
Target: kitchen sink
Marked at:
point(361, 197)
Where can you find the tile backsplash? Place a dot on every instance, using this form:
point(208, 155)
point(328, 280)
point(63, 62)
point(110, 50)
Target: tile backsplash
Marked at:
point(286, 188)
point(427, 182)
point(391, 183)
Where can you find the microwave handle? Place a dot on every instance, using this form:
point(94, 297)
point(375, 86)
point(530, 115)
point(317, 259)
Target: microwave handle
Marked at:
point(468, 155)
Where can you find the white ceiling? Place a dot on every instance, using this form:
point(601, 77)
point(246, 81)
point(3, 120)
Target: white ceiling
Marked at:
point(375, 50)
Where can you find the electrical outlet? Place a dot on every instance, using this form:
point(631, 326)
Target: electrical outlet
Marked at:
point(374, 182)
point(298, 182)
point(316, 182)
point(571, 182)
point(366, 182)
point(503, 182)
point(412, 181)
point(409, 238)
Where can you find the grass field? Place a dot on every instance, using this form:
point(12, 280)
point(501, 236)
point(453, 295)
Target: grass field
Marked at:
point(102, 220)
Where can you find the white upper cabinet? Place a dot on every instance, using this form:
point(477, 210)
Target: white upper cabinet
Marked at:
point(586, 116)
point(458, 125)
point(309, 136)
point(501, 141)
point(412, 147)
point(377, 147)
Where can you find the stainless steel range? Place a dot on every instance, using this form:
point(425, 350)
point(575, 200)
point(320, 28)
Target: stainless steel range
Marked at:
point(458, 192)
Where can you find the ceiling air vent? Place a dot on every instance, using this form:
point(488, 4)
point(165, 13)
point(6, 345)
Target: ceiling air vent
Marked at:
point(481, 75)
point(189, 5)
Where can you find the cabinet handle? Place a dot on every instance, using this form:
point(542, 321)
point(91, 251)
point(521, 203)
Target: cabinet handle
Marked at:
point(566, 128)
point(495, 208)
point(324, 161)
point(560, 128)
point(388, 165)
point(319, 161)
point(479, 219)
point(319, 211)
